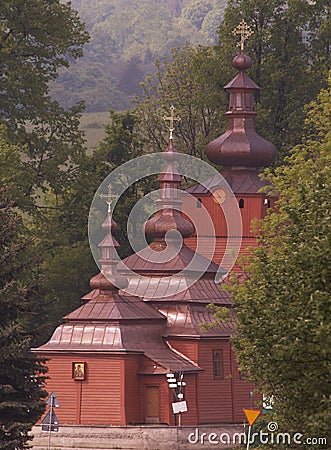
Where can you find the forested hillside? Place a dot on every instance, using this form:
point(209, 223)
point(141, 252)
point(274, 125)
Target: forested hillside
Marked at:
point(126, 37)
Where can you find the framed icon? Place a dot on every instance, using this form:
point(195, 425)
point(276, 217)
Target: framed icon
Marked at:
point(78, 370)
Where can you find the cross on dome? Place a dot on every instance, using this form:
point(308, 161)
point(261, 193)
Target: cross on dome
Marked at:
point(245, 31)
point(109, 198)
point(171, 120)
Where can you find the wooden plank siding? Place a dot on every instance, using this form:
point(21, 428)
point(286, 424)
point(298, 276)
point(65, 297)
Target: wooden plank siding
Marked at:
point(190, 395)
point(217, 251)
point(187, 347)
point(61, 382)
point(215, 395)
point(254, 207)
point(132, 390)
point(215, 400)
point(102, 398)
point(97, 400)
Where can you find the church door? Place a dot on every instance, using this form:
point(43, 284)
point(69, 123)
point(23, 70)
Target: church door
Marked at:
point(152, 404)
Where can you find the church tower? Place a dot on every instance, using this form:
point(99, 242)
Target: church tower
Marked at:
point(241, 153)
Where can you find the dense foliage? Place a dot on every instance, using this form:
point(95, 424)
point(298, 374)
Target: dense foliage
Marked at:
point(40, 145)
point(284, 306)
point(37, 38)
point(126, 37)
point(193, 83)
point(21, 373)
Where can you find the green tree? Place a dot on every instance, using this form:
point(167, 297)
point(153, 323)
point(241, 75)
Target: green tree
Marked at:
point(21, 373)
point(192, 81)
point(67, 262)
point(283, 307)
point(121, 144)
point(195, 11)
point(119, 35)
point(211, 24)
point(37, 38)
point(290, 51)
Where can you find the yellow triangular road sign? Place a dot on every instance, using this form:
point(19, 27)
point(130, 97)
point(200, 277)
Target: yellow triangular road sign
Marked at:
point(252, 415)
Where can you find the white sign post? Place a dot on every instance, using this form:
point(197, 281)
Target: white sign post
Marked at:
point(50, 422)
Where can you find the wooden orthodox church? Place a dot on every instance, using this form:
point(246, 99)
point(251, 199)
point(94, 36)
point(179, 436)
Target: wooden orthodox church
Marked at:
point(110, 360)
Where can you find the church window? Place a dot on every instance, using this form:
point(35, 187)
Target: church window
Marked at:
point(241, 203)
point(218, 364)
point(199, 203)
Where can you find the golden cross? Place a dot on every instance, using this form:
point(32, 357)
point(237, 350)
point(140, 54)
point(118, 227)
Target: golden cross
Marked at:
point(109, 198)
point(245, 31)
point(171, 119)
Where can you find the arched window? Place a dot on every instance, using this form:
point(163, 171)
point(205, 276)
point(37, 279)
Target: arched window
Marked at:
point(199, 203)
point(241, 203)
point(218, 364)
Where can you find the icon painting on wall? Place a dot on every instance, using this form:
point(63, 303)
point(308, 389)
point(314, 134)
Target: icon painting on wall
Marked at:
point(78, 370)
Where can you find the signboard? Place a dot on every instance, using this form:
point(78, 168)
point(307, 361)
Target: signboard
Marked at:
point(268, 404)
point(179, 407)
point(50, 422)
point(52, 401)
point(252, 415)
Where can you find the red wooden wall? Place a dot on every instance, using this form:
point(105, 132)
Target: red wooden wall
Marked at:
point(213, 238)
point(217, 400)
point(98, 399)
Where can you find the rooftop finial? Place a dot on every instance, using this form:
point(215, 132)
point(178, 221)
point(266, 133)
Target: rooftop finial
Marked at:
point(109, 198)
point(245, 32)
point(171, 119)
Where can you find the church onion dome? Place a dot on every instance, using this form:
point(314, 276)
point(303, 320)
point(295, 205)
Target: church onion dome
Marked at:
point(240, 145)
point(109, 279)
point(167, 254)
point(168, 216)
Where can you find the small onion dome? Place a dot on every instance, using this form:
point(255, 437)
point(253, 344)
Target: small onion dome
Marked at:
point(169, 217)
point(242, 61)
point(166, 220)
point(109, 279)
point(108, 282)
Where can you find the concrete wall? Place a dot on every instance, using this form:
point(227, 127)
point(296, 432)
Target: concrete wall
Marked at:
point(81, 437)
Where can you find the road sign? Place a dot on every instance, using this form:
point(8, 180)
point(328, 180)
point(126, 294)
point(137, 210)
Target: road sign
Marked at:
point(268, 404)
point(52, 401)
point(50, 422)
point(179, 407)
point(252, 415)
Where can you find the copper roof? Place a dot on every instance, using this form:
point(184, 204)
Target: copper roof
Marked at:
point(242, 81)
point(243, 181)
point(119, 307)
point(112, 322)
point(146, 261)
point(168, 216)
point(117, 337)
point(178, 289)
point(185, 320)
